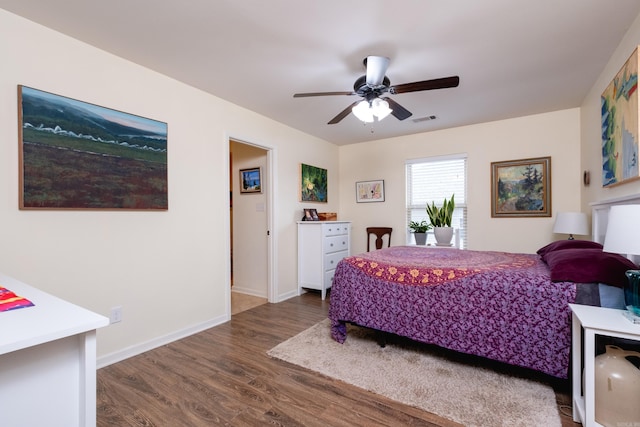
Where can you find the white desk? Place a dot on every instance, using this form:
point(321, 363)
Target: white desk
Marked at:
point(595, 321)
point(47, 361)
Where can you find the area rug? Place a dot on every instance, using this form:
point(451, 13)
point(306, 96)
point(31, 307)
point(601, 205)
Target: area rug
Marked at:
point(425, 377)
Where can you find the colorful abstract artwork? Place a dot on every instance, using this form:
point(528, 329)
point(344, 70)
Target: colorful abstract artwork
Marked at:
point(313, 184)
point(619, 105)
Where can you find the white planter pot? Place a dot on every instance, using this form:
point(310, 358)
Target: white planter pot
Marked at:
point(444, 235)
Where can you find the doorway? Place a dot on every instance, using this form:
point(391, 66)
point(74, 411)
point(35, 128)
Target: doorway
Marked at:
point(249, 225)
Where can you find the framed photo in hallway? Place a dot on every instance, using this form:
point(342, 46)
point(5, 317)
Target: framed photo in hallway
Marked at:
point(251, 180)
point(77, 155)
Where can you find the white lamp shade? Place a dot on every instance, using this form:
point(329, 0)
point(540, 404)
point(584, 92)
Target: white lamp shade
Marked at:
point(623, 230)
point(571, 223)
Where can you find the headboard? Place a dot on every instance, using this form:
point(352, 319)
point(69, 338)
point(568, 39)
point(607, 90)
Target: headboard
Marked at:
point(600, 217)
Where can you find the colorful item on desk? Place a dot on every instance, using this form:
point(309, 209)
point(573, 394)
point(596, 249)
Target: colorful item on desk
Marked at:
point(11, 301)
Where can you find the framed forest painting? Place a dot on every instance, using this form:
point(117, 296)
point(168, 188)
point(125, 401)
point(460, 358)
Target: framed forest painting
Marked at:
point(77, 155)
point(521, 188)
point(313, 184)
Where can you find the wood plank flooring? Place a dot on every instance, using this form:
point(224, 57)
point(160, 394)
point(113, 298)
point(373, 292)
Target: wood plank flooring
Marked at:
point(223, 376)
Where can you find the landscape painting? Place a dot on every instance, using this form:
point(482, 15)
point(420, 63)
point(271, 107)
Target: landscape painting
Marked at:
point(619, 106)
point(521, 188)
point(76, 155)
point(251, 180)
point(313, 184)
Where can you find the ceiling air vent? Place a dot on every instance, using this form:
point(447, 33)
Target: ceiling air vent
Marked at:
point(424, 119)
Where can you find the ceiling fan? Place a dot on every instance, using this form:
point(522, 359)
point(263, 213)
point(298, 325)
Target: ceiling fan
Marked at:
point(373, 85)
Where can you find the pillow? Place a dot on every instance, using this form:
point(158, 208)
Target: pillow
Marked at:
point(588, 265)
point(611, 296)
point(568, 244)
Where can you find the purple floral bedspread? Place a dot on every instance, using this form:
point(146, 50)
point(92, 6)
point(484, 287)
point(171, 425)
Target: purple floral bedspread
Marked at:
point(498, 305)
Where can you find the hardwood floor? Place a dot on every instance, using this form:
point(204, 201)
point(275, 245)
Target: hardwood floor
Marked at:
point(242, 302)
point(223, 376)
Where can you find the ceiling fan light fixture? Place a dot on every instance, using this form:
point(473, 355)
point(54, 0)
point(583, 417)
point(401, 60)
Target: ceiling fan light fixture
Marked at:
point(368, 111)
point(380, 108)
point(363, 111)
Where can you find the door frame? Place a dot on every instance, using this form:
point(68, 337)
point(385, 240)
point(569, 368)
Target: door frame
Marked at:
point(269, 187)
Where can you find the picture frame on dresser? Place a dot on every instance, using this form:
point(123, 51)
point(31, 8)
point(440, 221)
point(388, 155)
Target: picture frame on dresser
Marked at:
point(310, 215)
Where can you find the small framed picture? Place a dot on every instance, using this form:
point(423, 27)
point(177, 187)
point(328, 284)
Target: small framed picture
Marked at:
point(370, 191)
point(251, 180)
point(310, 215)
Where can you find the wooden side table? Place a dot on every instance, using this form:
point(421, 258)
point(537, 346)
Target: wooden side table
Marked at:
point(594, 321)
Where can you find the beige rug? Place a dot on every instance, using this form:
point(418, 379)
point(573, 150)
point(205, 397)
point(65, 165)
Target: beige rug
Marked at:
point(424, 377)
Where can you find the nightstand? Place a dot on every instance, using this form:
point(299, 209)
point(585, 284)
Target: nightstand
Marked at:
point(594, 321)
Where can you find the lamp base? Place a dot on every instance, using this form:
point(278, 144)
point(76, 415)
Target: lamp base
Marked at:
point(632, 292)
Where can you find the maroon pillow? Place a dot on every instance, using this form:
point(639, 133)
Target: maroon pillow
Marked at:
point(568, 244)
point(588, 266)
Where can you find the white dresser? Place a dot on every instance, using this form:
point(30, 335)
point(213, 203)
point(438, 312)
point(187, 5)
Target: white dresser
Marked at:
point(321, 245)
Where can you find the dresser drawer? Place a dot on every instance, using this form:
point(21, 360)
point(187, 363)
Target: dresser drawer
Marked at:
point(328, 278)
point(331, 260)
point(336, 243)
point(336, 229)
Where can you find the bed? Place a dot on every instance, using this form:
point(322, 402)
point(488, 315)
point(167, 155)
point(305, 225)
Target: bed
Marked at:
point(508, 307)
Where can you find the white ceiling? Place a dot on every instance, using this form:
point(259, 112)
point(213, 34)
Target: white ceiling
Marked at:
point(514, 57)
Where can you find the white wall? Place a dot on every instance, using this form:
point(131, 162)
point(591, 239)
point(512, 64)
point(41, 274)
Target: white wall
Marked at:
point(169, 270)
point(591, 144)
point(555, 134)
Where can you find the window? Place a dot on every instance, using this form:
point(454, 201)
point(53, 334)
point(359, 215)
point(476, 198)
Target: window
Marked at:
point(434, 179)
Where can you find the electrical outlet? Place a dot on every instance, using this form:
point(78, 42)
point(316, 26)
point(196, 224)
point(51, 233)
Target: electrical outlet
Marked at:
point(116, 314)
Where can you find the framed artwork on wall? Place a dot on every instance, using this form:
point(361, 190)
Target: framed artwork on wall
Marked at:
point(313, 184)
point(521, 188)
point(619, 107)
point(251, 180)
point(76, 155)
point(370, 191)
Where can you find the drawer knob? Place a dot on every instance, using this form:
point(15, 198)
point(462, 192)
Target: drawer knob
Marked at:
point(331, 245)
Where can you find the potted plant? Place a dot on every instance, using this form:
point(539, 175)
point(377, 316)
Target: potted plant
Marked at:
point(419, 230)
point(440, 218)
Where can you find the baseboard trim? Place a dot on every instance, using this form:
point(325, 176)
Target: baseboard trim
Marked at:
point(248, 291)
point(137, 349)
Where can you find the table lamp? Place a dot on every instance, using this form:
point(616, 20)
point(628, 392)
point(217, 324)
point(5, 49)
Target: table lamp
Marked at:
point(623, 237)
point(571, 223)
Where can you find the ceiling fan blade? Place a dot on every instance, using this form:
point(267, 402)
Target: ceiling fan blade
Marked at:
point(344, 113)
point(397, 110)
point(376, 69)
point(303, 95)
point(441, 83)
